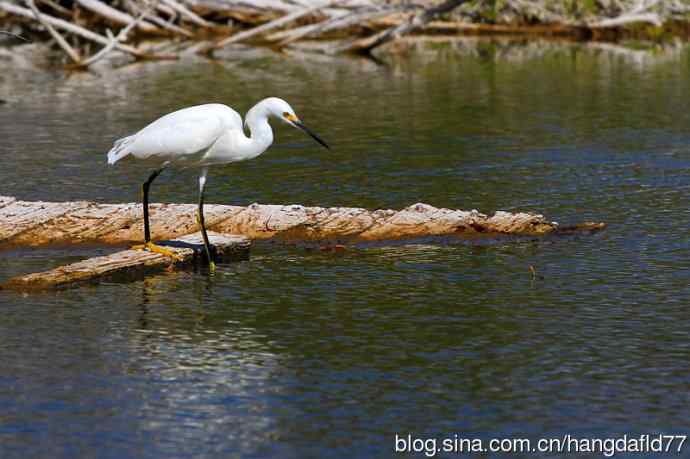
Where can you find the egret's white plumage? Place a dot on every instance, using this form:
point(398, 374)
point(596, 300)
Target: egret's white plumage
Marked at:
point(202, 136)
point(207, 134)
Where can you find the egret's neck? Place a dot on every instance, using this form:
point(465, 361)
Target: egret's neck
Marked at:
point(261, 133)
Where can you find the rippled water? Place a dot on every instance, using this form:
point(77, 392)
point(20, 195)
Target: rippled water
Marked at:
point(299, 353)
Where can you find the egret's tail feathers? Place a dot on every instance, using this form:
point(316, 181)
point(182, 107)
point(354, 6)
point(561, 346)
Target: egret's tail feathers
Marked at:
point(120, 149)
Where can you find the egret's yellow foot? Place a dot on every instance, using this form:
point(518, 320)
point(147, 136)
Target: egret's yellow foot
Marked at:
point(151, 247)
point(211, 266)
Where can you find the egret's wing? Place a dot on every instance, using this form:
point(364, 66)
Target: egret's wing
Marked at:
point(175, 137)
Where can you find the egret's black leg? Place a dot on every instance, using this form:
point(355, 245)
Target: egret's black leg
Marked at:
point(148, 245)
point(145, 190)
point(200, 217)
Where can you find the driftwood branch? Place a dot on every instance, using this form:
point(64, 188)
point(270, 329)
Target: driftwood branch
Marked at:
point(418, 20)
point(134, 264)
point(187, 13)
point(160, 22)
point(268, 26)
point(121, 36)
point(114, 15)
point(625, 19)
point(15, 35)
point(276, 21)
point(54, 33)
point(635, 15)
point(290, 35)
point(60, 9)
point(38, 223)
point(335, 23)
point(80, 31)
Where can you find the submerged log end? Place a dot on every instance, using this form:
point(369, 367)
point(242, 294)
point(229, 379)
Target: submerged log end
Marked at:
point(519, 223)
point(585, 227)
point(133, 264)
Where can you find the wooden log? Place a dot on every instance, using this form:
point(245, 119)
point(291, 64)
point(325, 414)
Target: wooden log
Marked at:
point(340, 21)
point(650, 18)
point(60, 9)
point(470, 28)
point(187, 13)
point(40, 223)
point(151, 16)
point(14, 35)
point(133, 264)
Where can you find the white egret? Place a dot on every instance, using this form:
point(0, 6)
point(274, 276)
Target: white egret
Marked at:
point(202, 136)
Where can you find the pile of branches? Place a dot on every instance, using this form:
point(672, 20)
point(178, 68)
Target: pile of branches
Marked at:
point(88, 30)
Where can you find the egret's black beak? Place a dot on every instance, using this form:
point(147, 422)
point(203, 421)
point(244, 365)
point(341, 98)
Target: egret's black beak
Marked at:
point(311, 133)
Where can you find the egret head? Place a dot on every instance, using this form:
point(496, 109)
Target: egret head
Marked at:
point(281, 109)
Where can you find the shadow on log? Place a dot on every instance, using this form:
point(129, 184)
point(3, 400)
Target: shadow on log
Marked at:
point(40, 223)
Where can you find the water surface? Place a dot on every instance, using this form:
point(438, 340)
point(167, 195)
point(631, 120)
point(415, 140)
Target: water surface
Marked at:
point(300, 353)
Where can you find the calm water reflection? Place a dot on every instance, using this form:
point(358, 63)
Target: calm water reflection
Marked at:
point(300, 353)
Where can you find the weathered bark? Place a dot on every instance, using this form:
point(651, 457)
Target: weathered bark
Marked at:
point(133, 264)
point(115, 15)
point(121, 36)
point(469, 28)
point(186, 13)
point(266, 27)
point(602, 20)
point(38, 223)
point(160, 22)
point(54, 33)
point(77, 30)
point(366, 45)
point(340, 21)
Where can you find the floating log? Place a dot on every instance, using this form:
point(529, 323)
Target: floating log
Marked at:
point(39, 223)
point(133, 264)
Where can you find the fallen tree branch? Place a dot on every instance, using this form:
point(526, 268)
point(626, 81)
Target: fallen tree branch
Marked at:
point(287, 36)
point(15, 35)
point(339, 22)
point(106, 49)
point(366, 45)
point(60, 9)
point(38, 223)
point(133, 264)
point(115, 15)
point(185, 12)
point(54, 33)
point(80, 31)
point(160, 22)
point(121, 36)
point(651, 18)
point(103, 52)
point(266, 27)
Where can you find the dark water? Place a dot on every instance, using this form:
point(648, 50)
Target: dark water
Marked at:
point(297, 353)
